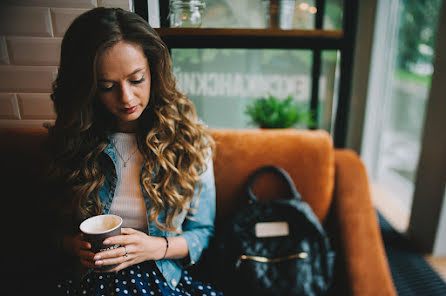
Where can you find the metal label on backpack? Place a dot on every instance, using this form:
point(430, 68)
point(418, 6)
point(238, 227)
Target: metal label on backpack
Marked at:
point(272, 229)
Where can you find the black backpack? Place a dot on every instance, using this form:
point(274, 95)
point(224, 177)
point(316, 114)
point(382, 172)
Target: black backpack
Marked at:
point(275, 247)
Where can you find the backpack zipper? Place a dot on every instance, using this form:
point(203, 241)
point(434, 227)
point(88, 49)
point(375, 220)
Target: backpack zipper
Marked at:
point(301, 255)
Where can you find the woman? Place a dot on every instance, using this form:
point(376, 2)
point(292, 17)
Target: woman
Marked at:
point(127, 142)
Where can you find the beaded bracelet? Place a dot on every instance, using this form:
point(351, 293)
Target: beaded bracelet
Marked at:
point(167, 247)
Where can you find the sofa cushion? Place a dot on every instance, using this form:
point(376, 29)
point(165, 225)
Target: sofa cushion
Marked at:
point(26, 217)
point(308, 157)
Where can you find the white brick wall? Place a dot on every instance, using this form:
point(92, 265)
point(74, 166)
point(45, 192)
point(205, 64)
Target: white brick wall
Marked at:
point(63, 17)
point(8, 106)
point(4, 59)
point(26, 21)
point(34, 51)
point(31, 33)
point(35, 79)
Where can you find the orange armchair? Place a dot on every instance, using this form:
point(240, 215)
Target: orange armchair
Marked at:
point(332, 181)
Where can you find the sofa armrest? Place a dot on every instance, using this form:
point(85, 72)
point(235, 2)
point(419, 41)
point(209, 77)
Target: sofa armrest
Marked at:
point(361, 244)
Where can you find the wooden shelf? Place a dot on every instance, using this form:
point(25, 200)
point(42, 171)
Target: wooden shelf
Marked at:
point(251, 38)
point(249, 32)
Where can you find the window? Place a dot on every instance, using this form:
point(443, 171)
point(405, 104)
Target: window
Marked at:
point(400, 83)
point(236, 57)
point(222, 82)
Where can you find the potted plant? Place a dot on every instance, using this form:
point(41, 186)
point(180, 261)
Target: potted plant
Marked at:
point(272, 112)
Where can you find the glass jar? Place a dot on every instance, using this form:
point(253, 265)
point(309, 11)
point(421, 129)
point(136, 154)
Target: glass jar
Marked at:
point(186, 13)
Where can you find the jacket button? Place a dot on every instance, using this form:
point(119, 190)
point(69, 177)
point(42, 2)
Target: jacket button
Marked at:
point(173, 282)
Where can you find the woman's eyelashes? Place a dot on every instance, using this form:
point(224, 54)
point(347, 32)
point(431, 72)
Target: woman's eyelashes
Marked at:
point(137, 81)
point(109, 87)
point(105, 88)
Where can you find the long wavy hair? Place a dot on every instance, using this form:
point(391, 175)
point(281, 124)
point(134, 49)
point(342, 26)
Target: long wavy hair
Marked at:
point(174, 144)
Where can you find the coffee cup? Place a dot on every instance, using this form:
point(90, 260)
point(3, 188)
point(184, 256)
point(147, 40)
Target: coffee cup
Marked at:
point(97, 228)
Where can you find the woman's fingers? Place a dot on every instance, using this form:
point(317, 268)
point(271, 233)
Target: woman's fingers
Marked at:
point(81, 243)
point(119, 240)
point(86, 255)
point(85, 245)
point(72, 244)
point(128, 231)
point(86, 258)
point(137, 247)
point(113, 260)
point(77, 246)
point(115, 253)
point(128, 236)
point(81, 246)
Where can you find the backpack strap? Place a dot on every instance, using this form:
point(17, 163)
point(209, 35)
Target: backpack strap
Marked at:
point(275, 169)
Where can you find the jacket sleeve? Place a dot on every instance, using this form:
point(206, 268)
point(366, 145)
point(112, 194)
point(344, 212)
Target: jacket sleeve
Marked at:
point(198, 227)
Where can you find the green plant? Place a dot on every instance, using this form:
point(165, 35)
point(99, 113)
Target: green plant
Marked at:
point(272, 112)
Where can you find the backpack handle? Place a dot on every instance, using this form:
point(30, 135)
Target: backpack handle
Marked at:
point(275, 169)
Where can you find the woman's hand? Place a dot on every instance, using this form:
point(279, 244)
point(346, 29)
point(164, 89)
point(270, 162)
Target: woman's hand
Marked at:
point(75, 245)
point(137, 247)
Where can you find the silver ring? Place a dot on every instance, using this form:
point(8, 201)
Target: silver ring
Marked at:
point(126, 254)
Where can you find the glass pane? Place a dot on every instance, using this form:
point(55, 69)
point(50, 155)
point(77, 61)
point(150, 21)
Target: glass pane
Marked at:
point(406, 83)
point(328, 88)
point(236, 14)
point(333, 15)
point(222, 82)
point(291, 14)
point(295, 14)
point(301, 14)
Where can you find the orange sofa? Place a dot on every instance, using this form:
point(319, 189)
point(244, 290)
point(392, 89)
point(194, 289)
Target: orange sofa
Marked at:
point(333, 181)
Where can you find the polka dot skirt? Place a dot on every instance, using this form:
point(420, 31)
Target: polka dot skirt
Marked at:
point(139, 279)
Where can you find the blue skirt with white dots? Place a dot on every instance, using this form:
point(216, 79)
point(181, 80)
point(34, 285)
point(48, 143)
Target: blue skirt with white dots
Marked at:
point(139, 279)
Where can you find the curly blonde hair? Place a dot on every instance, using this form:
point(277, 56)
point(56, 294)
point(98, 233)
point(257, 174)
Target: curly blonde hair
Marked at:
point(174, 145)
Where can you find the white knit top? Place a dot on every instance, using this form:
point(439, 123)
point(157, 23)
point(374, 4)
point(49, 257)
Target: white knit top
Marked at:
point(128, 202)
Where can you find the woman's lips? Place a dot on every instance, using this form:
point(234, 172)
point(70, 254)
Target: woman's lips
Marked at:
point(130, 110)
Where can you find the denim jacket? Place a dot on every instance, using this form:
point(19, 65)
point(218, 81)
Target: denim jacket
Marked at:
point(197, 228)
